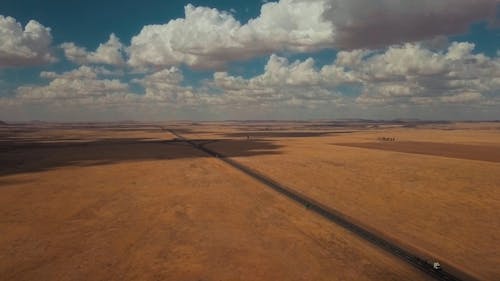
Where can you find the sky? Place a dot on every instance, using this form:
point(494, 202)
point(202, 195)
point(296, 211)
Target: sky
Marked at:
point(155, 60)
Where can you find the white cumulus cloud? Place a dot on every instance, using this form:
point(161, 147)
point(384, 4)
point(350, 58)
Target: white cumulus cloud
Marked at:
point(80, 83)
point(26, 46)
point(110, 53)
point(410, 70)
point(297, 83)
point(165, 86)
point(209, 38)
point(408, 74)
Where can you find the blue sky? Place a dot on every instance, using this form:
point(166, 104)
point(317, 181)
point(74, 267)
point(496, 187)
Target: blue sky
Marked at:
point(89, 23)
point(216, 64)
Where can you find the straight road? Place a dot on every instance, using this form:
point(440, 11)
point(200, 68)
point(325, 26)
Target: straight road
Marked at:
point(417, 261)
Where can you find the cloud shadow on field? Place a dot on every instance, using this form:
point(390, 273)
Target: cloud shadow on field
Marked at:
point(30, 155)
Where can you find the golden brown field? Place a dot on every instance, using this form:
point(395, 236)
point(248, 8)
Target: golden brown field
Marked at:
point(132, 202)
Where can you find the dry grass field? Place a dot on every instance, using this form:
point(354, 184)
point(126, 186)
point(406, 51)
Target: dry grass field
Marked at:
point(132, 202)
point(435, 188)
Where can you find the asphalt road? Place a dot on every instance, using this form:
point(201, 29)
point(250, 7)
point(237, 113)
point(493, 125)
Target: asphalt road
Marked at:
point(340, 219)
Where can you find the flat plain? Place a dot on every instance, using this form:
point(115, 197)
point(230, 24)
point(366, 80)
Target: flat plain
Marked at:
point(130, 201)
